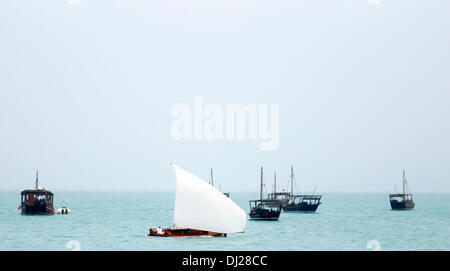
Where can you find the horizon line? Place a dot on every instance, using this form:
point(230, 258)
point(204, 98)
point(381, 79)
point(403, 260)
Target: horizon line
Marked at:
point(242, 191)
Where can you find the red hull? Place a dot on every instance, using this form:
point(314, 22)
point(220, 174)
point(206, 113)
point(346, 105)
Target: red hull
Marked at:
point(184, 233)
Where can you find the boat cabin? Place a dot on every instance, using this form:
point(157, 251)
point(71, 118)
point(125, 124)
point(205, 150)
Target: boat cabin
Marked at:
point(401, 197)
point(37, 202)
point(308, 199)
point(303, 203)
point(283, 196)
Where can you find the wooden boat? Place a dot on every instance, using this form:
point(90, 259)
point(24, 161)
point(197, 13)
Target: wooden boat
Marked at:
point(184, 233)
point(264, 209)
point(301, 203)
point(201, 210)
point(402, 201)
point(37, 201)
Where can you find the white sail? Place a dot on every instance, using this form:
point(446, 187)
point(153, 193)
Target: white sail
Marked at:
point(200, 206)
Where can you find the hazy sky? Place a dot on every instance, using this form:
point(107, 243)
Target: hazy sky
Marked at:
point(87, 88)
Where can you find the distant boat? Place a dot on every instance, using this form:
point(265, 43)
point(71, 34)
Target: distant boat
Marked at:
point(264, 209)
point(37, 201)
point(301, 203)
point(63, 211)
point(404, 200)
point(201, 210)
point(211, 182)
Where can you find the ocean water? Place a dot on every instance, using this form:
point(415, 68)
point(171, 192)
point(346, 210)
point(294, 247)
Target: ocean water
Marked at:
point(120, 221)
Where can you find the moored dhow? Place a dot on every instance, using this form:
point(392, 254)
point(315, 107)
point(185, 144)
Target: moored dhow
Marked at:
point(404, 200)
point(36, 201)
point(264, 209)
point(301, 203)
point(201, 210)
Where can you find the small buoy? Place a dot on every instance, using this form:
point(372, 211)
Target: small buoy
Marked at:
point(53, 211)
point(18, 207)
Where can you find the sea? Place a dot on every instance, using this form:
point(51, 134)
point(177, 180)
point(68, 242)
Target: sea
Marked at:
point(120, 221)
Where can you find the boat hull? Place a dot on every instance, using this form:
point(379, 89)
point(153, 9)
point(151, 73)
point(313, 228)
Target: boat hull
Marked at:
point(300, 207)
point(36, 209)
point(184, 233)
point(264, 218)
point(264, 214)
point(402, 205)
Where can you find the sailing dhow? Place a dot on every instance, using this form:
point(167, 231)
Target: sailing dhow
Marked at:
point(201, 210)
point(403, 201)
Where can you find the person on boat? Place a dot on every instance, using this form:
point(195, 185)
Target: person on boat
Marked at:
point(159, 230)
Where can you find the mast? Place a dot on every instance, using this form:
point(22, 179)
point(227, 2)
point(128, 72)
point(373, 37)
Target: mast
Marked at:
point(404, 182)
point(261, 188)
point(212, 179)
point(37, 179)
point(275, 183)
point(292, 180)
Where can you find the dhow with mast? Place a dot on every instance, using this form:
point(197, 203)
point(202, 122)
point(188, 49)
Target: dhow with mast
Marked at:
point(403, 201)
point(37, 201)
point(264, 209)
point(201, 210)
point(301, 203)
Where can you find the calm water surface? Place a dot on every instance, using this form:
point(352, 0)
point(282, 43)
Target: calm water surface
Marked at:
point(120, 221)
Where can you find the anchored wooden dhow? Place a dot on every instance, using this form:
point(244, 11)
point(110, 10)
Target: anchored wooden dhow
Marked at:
point(264, 209)
point(201, 210)
point(37, 201)
point(404, 200)
point(302, 203)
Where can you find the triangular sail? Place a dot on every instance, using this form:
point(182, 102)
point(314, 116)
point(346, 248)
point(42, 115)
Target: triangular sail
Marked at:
point(200, 206)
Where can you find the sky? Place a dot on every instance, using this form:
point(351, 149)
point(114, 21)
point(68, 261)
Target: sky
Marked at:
point(87, 89)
